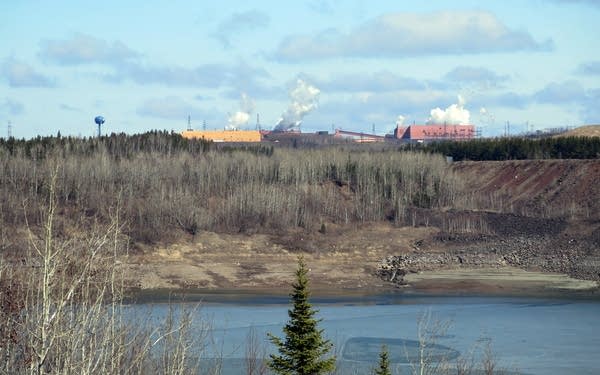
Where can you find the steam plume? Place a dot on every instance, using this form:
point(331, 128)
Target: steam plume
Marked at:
point(241, 117)
point(456, 114)
point(304, 98)
point(400, 120)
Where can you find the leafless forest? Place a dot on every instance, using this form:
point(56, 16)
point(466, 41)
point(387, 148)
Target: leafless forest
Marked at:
point(162, 188)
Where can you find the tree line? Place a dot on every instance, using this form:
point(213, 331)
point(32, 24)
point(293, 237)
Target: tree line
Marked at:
point(515, 148)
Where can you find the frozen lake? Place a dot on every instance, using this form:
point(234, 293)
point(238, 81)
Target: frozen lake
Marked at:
point(532, 336)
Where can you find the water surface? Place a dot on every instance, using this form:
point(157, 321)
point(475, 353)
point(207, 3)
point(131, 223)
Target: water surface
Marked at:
point(533, 336)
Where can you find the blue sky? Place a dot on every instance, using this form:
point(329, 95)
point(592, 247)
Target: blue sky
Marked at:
point(147, 65)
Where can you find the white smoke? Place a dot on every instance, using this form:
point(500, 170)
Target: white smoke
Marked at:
point(304, 98)
point(486, 117)
point(241, 117)
point(456, 114)
point(400, 120)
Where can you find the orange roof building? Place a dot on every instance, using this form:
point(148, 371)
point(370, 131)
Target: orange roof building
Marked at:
point(224, 135)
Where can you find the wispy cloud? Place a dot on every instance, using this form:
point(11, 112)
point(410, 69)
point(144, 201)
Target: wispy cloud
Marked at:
point(240, 77)
point(173, 107)
point(364, 108)
point(590, 113)
point(69, 108)
point(238, 23)
point(381, 81)
point(589, 68)
point(11, 107)
point(593, 3)
point(561, 93)
point(325, 7)
point(210, 75)
point(20, 74)
point(128, 65)
point(585, 101)
point(478, 75)
point(397, 35)
point(85, 49)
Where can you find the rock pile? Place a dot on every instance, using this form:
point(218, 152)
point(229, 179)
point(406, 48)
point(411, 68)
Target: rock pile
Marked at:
point(569, 256)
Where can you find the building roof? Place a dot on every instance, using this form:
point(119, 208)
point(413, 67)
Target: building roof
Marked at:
point(435, 132)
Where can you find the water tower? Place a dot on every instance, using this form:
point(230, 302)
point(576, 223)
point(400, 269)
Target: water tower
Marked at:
point(99, 120)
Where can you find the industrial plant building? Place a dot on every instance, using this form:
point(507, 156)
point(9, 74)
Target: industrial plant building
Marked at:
point(411, 133)
point(434, 132)
point(224, 135)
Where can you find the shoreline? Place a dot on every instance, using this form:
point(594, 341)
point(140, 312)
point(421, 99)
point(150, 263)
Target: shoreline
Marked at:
point(502, 282)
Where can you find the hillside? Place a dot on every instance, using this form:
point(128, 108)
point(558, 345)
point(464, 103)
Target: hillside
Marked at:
point(196, 216)
point(582, 131)
point(543, 188)
point(537, 216)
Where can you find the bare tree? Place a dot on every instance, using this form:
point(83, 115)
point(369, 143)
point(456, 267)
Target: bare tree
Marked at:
point(256, 354)
point(68, 316)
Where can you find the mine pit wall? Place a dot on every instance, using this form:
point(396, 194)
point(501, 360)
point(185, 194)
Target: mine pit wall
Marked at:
point(538, 215)
point(536, 188)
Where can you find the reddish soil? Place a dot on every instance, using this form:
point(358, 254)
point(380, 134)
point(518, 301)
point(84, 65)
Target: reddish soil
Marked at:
point(546, 188)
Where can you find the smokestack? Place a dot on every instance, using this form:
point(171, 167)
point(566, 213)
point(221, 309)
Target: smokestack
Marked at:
point(304, 98)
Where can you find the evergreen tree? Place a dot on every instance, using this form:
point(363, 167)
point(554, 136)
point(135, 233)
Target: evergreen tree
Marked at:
point(384, 362)
point(302, 351)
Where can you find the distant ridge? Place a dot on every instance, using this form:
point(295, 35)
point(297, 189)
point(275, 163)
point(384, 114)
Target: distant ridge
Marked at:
point(582, 131)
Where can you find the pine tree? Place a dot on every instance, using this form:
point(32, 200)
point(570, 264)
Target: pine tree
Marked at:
point(303, 350)
point(384, 363)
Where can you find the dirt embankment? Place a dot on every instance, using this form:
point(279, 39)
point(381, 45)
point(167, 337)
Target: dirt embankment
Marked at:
point(341, 258)
point(534, 188)
point(536, 216)
point(583, 131)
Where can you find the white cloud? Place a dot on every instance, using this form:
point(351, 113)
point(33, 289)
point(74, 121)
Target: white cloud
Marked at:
point(589, 68)
point(170, 107)
point(11, 107)
point(381, 81)
point(209, 75)
point(85, 49)
point(561, 93)
point(178, 109)
point(69, 108)
point(478, 75)
point(21, 74)
point(239, 23)
point(590, 112)
point(410, 34)
point(593, 3)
